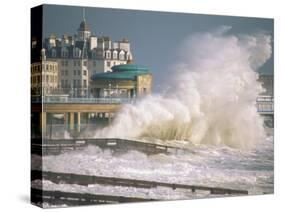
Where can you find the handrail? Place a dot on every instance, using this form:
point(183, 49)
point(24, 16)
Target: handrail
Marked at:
point(48, 100)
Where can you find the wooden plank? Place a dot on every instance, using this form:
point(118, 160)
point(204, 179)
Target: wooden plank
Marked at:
point(49, 146)
point(85, 180)
point(71, 198)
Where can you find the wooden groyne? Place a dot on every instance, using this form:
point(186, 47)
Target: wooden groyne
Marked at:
point(58, 146)
point(74, 199)
point(84, 180)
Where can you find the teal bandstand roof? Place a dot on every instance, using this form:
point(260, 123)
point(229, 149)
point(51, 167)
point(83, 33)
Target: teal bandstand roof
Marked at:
point(123, 72)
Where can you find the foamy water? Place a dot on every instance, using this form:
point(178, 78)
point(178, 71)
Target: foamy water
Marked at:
point(207, 166)
point(211, 104)
point(211, 96)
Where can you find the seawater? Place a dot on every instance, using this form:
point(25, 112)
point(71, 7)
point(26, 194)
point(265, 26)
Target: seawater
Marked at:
point(209, 108)
point(218, 166)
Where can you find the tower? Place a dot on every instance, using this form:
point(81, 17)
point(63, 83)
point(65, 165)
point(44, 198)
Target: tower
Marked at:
point(84, 30)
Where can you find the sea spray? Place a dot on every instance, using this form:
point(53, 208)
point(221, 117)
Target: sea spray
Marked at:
point(212, 95)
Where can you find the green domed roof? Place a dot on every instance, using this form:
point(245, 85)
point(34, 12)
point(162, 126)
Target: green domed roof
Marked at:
point(129, 67)
point(126, 71)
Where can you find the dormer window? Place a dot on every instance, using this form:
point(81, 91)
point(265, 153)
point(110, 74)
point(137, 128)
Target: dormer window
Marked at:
point(64, 52)
point(122, 55)
point(108, 55)
point(54, 53)
point(76, 53)
point(115, 55)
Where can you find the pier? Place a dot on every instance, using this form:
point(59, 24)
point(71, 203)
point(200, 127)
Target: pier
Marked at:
point(75, 112)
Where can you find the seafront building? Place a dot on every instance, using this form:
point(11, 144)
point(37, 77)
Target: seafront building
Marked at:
point(82, 80)
point(265, 100)
point(44, 77)
point(80, 56)
point(125, 81)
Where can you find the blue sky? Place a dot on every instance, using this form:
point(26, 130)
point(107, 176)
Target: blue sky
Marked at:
point(155, 36)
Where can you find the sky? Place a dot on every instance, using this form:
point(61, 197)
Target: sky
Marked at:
point(155, 37)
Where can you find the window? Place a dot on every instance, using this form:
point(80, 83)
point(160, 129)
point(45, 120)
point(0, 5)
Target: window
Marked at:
point(62, 63)
point(74, 72)
point(47, 78)
point(66, 72)
point(108, 55)
point(78, 63)
point(79, 72)
point(108, 64)
point(64, 53)
point(54, 53)
point(74, 83)
point(84, 63)
point(66, 63)
point(85, 83)
point(74, 63)
point(47, 67)
point(94, 63)
point(121, 56)
point(85, 72)
point(114, 55)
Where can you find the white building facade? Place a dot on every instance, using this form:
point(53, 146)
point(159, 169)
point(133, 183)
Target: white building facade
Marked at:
point(82, 55)
point(44, 77)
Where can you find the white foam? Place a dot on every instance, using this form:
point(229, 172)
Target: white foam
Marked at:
point(212, 95)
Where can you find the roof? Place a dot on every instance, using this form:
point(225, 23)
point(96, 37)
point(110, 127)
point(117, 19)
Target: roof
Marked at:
point(126, 71)
point(83, 26)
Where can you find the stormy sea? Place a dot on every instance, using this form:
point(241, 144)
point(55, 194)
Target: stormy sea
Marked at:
point(208, 109)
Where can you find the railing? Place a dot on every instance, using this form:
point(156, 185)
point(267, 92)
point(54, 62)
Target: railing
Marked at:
point(265, 99)
point(265, 104)
point(48, 100)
